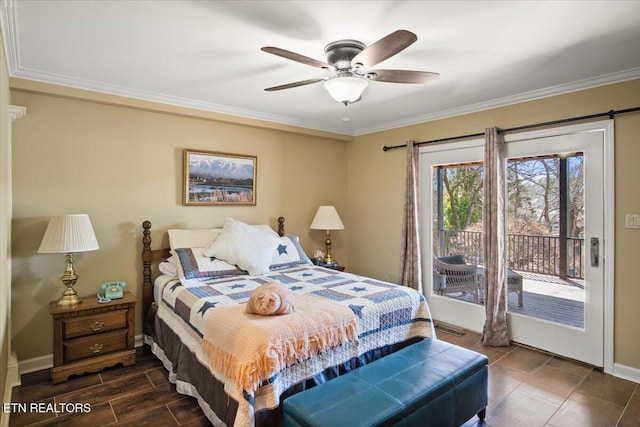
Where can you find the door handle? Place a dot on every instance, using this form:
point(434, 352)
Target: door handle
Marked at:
point(595, 251)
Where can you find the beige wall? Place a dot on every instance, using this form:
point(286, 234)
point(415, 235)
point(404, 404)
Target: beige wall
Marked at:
point(375, 200)
point(122, 165)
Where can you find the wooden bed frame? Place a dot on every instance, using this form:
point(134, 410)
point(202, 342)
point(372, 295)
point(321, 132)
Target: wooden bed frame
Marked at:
point(150, 256)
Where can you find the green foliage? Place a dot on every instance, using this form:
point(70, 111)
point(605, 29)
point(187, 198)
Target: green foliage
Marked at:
point(462, 202)
point(532, 196)
point(467, 213)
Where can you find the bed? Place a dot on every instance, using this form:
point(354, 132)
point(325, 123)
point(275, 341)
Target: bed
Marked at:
point(192, 310)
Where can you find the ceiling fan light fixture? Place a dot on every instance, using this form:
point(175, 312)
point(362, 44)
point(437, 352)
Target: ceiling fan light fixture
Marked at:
point(347, 89)
point(350, 61)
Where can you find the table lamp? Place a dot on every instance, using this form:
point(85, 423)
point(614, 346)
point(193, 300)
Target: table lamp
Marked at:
point(69, 234)
point(327, 218)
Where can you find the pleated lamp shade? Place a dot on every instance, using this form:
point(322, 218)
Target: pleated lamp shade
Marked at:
point(326, 218)
point(68, 234)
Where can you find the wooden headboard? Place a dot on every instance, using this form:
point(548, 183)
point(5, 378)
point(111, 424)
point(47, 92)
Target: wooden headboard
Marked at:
point(155, 256)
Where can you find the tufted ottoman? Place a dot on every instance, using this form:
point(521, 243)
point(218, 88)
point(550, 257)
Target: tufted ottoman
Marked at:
point(430, 383)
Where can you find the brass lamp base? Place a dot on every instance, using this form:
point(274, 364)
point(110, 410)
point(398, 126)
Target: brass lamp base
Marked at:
point(69, 300)
point(70, 296)
point(328, 258)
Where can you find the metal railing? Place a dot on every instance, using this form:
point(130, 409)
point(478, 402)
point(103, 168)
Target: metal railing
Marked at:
point(532, 253)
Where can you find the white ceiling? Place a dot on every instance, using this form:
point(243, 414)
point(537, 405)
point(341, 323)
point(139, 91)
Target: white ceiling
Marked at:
point(206, 54)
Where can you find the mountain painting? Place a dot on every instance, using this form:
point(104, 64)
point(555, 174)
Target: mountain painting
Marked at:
point(219, 179)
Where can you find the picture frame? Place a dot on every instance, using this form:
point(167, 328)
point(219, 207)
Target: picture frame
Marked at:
point(213, 178)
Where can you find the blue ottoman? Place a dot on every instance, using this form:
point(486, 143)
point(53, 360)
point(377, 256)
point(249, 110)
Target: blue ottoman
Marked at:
point(430, 383)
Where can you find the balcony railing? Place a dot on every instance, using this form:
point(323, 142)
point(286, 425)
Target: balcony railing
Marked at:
point(535, 254)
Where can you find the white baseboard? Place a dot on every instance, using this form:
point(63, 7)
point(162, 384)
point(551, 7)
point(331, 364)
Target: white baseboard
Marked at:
point(13, 371)
point(626, 372)
point(35, 364)
point(46, 361)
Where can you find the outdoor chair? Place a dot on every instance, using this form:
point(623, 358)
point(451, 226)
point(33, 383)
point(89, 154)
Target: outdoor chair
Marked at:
point(452, 275)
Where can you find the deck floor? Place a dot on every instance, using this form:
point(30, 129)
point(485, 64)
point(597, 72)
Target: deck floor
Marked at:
point(547, 297)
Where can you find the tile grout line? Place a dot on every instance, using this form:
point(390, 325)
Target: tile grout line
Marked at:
point(627, 405)
point(570, 394)
point(551, 357)
point(172, 415)
point(115, 417)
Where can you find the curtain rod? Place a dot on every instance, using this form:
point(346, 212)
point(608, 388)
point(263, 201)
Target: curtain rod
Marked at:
point(610, 113)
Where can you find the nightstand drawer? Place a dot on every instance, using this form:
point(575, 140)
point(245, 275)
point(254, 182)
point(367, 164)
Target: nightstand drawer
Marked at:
point(88, 325)
point(79, 348)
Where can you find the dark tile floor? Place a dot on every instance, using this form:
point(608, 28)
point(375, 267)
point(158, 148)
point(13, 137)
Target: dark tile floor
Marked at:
point(531, 388)
point(136, 396)
point(526, 388)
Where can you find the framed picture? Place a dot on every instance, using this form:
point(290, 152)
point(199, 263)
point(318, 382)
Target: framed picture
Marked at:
point(212, 178)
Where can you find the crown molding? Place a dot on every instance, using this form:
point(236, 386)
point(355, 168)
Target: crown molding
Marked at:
point(93, 86)
point(590, 83)
point(607, 79)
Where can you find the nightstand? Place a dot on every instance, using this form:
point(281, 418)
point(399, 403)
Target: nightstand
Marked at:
point(337, 267)
point(333, 266)
point(92, 336)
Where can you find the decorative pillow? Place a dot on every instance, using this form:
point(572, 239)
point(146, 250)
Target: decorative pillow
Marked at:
point(194, 265)
point(288, 253)
point(248, 247)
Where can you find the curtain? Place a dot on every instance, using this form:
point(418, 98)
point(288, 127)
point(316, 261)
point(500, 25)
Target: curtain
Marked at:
point(411, 269)
point(495, 331)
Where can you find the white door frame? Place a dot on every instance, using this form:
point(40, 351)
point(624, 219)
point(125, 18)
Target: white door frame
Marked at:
point(608, 244)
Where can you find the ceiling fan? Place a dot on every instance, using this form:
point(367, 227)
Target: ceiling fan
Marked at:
point(351, 62)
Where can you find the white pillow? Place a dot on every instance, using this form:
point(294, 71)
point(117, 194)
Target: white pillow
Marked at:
point(192, 238)
point(169, 267)
point(246, 246)
point(184, 238)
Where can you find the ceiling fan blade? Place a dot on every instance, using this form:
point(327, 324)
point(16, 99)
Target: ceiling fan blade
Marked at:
point(402, 76)
point(294, 84)
point(294, 56)
point(384, 48)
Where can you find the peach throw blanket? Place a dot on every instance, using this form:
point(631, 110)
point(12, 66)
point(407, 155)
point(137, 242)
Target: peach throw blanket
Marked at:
point(248, 348)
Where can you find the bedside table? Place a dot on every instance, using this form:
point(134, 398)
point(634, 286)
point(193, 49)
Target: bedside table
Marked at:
point(92, 336)
point(332, 266)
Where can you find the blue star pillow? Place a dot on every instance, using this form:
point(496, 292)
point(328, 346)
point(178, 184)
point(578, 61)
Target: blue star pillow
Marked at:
point(193, 265)
point(288, 253)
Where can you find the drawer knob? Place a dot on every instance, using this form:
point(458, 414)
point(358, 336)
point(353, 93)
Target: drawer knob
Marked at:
point(96, 348)
point(96, 326)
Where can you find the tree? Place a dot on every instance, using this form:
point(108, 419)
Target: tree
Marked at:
point(533, 194)
point(463, 196)
point(532, 208)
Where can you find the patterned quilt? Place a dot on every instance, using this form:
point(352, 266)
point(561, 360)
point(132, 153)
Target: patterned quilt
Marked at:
point(386, 314)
